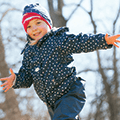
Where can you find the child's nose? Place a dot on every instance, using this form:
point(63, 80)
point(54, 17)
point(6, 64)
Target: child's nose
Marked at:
point(34, 27)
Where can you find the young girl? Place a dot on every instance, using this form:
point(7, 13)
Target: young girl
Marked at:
point(45, 63)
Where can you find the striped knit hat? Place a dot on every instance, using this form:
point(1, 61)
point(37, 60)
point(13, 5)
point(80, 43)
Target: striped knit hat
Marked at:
point(35, 11)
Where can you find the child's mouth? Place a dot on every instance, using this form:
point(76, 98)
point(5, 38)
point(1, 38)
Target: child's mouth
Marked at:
point(36, 34)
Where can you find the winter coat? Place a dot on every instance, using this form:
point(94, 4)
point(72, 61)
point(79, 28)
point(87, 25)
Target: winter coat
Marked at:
point(45, 65)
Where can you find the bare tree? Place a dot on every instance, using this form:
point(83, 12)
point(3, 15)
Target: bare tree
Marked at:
point(109, 94)
point(10, 105)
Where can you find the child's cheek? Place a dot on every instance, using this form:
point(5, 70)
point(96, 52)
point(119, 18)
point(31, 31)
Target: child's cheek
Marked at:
point(29, 33)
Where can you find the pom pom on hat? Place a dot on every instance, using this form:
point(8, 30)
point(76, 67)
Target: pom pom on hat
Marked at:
point(35, 12)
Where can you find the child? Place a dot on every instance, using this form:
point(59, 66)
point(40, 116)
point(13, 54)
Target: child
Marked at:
point(45, 61)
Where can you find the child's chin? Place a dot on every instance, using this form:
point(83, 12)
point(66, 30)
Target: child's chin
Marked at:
point(37, 39)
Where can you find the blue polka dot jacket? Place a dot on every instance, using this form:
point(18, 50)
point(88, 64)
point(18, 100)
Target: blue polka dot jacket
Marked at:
point(45, 64)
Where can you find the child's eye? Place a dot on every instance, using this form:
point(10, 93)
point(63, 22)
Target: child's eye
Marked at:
point(29, 26)
point(38, 22)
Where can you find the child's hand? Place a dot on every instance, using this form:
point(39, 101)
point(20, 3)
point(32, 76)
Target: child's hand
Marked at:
point(112, 39)
point(9, 81)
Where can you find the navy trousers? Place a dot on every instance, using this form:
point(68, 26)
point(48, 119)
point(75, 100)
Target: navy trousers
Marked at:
point(70, 104)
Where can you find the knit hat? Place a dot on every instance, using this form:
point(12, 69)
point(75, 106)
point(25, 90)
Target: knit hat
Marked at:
point(35, 11)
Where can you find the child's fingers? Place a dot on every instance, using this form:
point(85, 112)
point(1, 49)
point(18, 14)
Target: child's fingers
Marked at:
point(116, 45)
point(11, 71)
point(117, 41)
point(5, 83)
point(5, 87)
point(3, 79)
point(117, 36)
point(106, 35)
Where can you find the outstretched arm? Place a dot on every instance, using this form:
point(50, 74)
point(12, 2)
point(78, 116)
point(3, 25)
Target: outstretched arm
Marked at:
point(84, 43)
point(8, 81)
point(87, 42)
point(112, 39)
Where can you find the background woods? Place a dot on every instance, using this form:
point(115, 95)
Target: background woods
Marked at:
point(100, 69)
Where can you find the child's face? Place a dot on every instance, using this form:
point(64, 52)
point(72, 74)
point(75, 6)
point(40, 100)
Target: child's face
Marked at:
point(37, 28)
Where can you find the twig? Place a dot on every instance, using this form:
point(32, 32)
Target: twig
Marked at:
point(74, 10)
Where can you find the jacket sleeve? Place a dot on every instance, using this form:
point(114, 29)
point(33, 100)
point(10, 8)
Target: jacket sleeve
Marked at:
point(23, 77)
point(84, 43)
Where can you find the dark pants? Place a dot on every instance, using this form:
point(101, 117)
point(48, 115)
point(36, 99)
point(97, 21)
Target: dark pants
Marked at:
point(70, 104)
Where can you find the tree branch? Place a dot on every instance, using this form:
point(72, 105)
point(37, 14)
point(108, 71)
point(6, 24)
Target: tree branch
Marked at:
point(5, 4)
point(115, 78)
point(91, 70)
point(91, 17)
point(60, 6)
point(78, 5)
point(56, 15)
point(116, 19)
point(4, 14)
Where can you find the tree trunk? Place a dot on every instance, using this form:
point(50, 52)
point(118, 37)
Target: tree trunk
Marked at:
point(56, 14)
point(10, 105)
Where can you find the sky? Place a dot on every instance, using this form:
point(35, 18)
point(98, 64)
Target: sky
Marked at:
point(79, 22)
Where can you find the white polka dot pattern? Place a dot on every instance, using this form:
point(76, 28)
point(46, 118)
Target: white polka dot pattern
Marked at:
point(45, 64)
